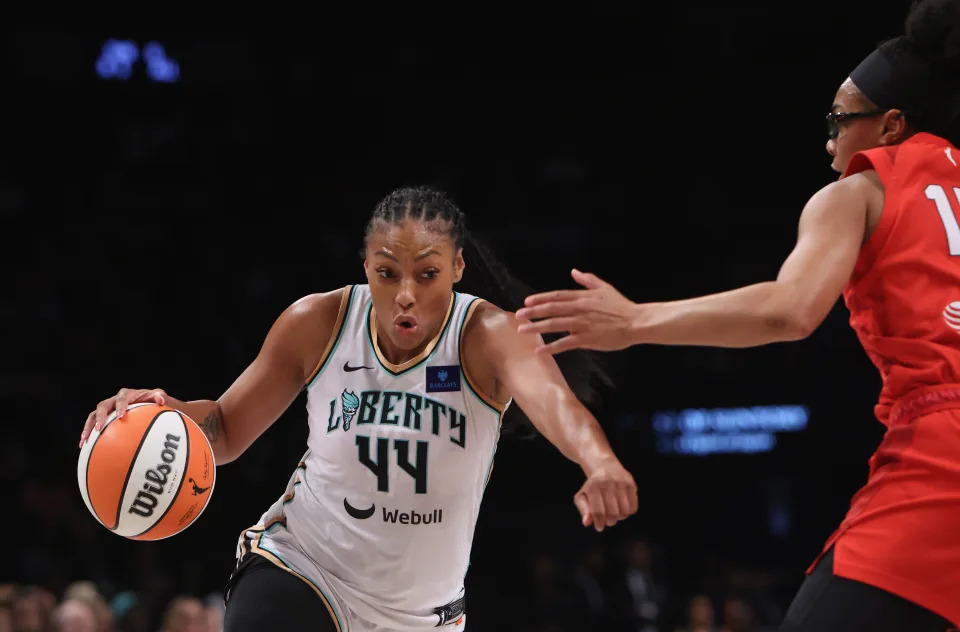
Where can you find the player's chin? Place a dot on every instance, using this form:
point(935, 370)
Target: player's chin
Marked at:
point(406, 337)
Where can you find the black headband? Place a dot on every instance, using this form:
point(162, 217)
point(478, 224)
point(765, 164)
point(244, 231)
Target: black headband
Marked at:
point(908, 82)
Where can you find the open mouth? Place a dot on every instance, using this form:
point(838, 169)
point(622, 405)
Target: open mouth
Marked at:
point(405, 324)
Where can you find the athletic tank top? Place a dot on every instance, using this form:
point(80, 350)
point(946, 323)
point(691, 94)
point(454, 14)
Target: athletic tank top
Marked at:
point(904, 294)
point(383, 505)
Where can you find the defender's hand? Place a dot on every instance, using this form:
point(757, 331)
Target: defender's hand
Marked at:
point(598, 318)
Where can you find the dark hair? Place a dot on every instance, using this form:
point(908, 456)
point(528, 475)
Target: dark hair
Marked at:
point(485, 276)
point(933, 32)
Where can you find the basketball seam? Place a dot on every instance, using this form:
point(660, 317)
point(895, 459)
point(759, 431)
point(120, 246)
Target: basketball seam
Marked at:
point(85, 492)
point(86, 474)
point(186, 464)
point(133, 461)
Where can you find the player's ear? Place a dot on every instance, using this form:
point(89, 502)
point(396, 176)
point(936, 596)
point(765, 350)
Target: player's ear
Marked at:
point(894, 127)
point(458, 265)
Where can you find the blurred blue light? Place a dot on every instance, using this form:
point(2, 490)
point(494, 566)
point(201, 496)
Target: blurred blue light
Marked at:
point(159, 66)
point(768, 418)
point(117, 58)
point(745, 443)
point(700, 431)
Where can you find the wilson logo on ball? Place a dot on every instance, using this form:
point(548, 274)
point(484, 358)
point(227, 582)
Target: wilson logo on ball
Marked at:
point(146, 501)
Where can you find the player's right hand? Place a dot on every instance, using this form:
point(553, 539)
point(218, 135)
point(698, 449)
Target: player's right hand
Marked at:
point(119, 403)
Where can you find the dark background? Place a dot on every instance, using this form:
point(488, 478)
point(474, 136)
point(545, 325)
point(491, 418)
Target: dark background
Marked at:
point(154, 232)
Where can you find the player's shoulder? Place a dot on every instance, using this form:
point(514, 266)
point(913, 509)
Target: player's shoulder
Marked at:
point(314, 316)
point(865, 184)
point(318, 305)
point(486, 319)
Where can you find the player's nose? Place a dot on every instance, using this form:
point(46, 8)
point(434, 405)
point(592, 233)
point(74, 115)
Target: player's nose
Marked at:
point(406, 297)
point(832, 147)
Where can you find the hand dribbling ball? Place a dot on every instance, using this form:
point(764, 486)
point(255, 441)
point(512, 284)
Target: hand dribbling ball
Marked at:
point(148, 475)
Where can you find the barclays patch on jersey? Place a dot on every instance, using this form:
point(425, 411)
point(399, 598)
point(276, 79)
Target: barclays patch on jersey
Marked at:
point(443, 379)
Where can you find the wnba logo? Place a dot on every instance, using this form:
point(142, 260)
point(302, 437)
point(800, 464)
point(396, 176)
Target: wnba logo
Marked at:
point(951, 314)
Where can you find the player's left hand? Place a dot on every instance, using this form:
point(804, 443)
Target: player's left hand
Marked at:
point(598, 317)
point(608, 496)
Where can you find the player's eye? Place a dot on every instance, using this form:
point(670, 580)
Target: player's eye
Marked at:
point(430, 274)
point(385, 273)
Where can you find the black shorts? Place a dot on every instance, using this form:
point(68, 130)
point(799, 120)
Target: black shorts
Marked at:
point(262, 596)
point(827, 603)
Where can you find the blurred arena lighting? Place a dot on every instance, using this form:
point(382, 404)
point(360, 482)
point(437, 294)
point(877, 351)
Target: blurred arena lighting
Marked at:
point(701, 431)
point(160, 67)
point(117, 59)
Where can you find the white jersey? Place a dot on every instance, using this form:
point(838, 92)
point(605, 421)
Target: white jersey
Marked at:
point(381, 510)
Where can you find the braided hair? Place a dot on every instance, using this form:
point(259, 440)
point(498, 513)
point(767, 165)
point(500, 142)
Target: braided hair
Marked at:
point(485, 276)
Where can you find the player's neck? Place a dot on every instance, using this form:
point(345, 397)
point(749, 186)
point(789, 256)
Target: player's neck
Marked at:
point(396, 355)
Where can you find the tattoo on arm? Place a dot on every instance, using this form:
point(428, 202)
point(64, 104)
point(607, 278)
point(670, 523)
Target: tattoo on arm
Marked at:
point(211, 425)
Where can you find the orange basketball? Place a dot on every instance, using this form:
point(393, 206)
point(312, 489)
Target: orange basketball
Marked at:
point(149, 475)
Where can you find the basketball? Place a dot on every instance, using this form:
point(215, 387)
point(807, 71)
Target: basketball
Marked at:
point(149, 475)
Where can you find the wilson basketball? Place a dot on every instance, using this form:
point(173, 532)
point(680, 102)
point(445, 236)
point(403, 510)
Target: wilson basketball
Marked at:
point(148, 475)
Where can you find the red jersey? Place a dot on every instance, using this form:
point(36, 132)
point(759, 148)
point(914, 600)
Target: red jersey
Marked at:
point(901, 532)
point(904, 295)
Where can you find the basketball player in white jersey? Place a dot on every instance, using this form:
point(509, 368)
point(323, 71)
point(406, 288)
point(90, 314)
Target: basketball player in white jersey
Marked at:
point(407, 384)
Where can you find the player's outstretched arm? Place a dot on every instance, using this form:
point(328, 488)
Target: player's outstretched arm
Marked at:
point(832, 228)
point(536, 384)
point(262, 392)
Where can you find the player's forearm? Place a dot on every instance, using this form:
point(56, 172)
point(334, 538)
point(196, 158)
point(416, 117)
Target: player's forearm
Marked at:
point(570, 427)
point(750, 316)
point(209, 417)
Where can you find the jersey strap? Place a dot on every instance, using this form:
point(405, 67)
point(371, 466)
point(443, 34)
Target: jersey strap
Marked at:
point(346, 300)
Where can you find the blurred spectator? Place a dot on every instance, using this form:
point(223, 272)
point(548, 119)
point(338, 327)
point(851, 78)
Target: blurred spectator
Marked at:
point(6, 616)
point(589, 581)
point(213, 605)
point(549, 604)
point(86, 592)
point(74, 615)
point(738, 616)
point(185, 614)
point(31, 609)
point(754, 589)
point(8, 593)
point(700, 616)
point(129, 613)
point(646, 596)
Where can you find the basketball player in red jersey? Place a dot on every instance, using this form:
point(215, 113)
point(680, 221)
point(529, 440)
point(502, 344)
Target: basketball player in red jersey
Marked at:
point(885, 236)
